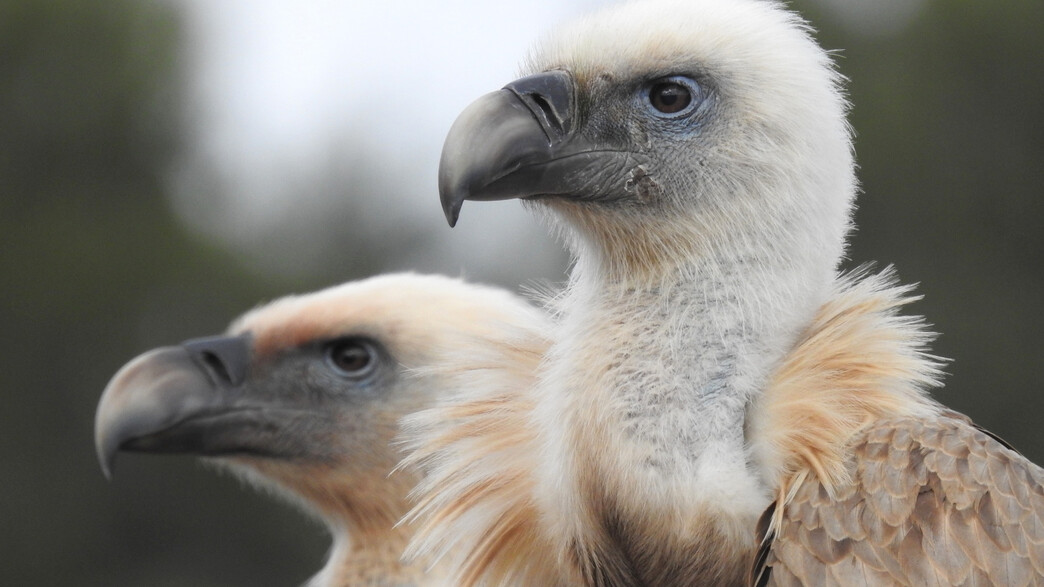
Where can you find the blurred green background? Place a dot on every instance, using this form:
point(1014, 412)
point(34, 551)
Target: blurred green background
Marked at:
point(96, 267)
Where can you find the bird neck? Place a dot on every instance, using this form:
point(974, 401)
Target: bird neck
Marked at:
point(361, 508)
point(370, 560)
point(650, 379)
point(369, 542)
point(685, 354)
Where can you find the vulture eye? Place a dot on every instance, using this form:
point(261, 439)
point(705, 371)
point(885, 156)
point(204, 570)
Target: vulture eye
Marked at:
point(672, 95)
point(351, 357)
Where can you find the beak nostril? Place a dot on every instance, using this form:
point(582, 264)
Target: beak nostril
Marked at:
point(549, 96)
point(215, 366)
point(549, 112)
point(225, 359)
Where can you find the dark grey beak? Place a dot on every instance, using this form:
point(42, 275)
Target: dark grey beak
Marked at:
point(166, 399)
point(520, 142)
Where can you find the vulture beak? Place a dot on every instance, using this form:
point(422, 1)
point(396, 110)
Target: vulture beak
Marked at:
point(182, 399)
point(521, 142)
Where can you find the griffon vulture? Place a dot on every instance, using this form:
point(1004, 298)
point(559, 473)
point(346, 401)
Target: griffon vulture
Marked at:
point(304, 395)
point(710, 367)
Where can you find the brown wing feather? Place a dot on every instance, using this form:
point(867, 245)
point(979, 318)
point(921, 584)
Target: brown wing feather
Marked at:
point(936, 502)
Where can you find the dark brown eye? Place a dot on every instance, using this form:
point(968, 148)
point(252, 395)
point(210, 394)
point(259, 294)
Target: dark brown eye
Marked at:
point(351, 358)
point(669, 97)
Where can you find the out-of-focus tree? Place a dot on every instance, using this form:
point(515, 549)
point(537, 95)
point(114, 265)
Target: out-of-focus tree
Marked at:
point(950, 140)
point(94, 269)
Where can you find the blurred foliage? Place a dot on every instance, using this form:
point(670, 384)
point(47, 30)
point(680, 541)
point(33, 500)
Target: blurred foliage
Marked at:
point(96, 269)
point(950, 139)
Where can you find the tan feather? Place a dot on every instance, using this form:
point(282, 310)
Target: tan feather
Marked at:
point(962, 523)
point(478, 452)
point(859, 361)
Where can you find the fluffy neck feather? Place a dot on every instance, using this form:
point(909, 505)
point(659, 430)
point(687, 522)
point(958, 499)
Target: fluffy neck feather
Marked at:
point(647, 385)
point(858, 362)
point(687, 297)
point(489, 490)
point(361, 510)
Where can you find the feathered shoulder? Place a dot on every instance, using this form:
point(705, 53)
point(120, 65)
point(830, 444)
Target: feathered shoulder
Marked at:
point(859, 361)
point(876, 482)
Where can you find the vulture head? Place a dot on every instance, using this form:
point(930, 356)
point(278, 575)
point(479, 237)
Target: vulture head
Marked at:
point(696, 158)
point(305, 395)
point(658, 129)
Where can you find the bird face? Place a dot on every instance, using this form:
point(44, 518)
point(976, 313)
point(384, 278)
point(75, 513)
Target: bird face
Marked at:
point(308, 383)
point(321, 402)
point(686, 113)
point(550, 135)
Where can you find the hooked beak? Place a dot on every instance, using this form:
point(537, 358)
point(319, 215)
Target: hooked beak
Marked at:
point(170, 399)
point(523, 142)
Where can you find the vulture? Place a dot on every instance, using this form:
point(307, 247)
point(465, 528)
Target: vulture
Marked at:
point(720, 404)
point(304, 396)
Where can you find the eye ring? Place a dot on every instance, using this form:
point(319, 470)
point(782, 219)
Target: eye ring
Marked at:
point(674, 96)
point(351, 357)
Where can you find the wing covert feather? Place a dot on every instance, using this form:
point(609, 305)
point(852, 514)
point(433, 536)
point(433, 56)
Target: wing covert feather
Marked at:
point(930, 502)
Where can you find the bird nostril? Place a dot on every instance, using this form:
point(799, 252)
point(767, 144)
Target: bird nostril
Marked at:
point(226, 359)
point(549, 96)
point(216, 366)
point(549, 112)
